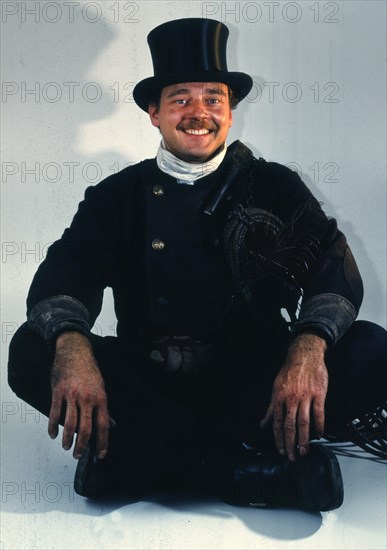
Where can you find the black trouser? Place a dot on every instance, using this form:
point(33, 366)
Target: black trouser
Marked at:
point(166, 420)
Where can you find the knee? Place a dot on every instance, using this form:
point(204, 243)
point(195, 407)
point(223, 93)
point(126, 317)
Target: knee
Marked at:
point(362, 351)
point(369, 329)
point(369, 338)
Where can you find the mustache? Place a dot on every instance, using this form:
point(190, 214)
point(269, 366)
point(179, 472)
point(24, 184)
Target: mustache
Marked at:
point(197, 125)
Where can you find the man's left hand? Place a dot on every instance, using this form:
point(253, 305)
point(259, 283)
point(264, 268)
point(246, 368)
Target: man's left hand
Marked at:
point(299, 392)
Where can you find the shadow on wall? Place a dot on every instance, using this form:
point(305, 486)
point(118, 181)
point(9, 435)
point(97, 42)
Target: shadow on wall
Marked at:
point(52, 91)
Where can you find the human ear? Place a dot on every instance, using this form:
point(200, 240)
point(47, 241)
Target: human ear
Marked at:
point(230, 119)
point(153, 111)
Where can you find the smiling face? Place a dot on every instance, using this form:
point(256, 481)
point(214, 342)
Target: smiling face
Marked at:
point(194, 119)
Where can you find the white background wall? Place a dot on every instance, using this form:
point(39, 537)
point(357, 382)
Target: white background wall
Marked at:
point(68, 120)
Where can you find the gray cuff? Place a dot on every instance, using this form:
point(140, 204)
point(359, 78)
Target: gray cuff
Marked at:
point(328, 315)
point(58, 314)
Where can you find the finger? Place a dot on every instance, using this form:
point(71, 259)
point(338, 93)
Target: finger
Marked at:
point(54, 417)
point(319, 417)
point(84, 431)
point(303, 428)
point(278, 422)
point(289, 429)
point(70, 425)
point(103, 430)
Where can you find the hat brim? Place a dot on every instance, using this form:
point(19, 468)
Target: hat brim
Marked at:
point(148, 89)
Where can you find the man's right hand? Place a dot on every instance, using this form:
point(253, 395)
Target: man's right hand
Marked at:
point(78, 390)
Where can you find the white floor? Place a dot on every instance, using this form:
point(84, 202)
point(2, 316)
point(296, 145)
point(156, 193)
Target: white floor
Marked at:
point(41, 511)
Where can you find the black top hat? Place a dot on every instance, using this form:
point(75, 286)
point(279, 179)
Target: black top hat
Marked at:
point(189, 50)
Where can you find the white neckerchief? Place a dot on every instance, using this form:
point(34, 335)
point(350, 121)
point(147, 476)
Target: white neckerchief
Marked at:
point(186, 172)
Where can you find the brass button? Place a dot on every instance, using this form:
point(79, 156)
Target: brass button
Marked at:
point(158, 190)
point(158, 244)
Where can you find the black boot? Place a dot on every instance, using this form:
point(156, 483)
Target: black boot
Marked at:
point(116, 475)
point(98, 478)
point(313, 482)
point(94, 477)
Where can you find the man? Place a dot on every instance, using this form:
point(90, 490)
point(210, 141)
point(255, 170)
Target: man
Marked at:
point(202, 246)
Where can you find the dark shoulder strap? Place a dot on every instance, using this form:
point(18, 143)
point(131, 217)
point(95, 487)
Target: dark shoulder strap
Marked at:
point(238, 161)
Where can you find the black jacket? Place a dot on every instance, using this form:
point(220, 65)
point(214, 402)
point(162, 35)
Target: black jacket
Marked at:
point(148, 238)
